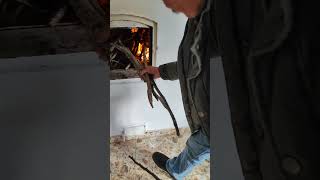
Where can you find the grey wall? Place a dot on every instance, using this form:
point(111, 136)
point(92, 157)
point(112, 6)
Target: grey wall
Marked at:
point(224, 156)
point(54, 118)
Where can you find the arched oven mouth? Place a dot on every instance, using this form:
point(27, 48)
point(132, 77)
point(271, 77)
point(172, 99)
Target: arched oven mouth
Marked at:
point(137, 34)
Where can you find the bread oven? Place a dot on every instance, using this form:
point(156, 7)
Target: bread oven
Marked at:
point(137, 34)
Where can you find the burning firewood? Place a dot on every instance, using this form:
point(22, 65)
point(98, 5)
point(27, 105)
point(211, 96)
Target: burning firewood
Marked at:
point(151, 85)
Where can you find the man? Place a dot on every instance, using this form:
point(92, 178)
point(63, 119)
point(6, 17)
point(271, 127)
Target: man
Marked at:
point(270, 55)
point(192, 70)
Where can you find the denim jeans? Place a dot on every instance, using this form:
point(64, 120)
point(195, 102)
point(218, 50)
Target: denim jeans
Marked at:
point(197, 150)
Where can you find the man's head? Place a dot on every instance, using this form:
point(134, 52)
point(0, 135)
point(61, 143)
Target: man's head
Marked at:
point(190, 8)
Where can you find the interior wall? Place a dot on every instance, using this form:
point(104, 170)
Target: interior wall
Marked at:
point(129, 105)
point(53, 117)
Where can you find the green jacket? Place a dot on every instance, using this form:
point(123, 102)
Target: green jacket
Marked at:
point(192, 70)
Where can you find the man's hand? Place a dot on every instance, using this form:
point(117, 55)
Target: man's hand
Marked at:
point(154, 71)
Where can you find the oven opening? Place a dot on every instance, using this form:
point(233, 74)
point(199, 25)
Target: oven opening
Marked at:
point(139, 41)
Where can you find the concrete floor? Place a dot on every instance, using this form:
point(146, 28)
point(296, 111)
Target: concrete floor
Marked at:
point(142, 147)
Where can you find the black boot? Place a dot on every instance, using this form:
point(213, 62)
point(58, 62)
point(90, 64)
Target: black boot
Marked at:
point(160, 160)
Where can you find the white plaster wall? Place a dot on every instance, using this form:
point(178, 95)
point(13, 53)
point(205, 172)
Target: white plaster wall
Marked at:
point(129, 105)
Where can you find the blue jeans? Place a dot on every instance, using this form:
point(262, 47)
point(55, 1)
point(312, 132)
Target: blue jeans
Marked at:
point(197, 150)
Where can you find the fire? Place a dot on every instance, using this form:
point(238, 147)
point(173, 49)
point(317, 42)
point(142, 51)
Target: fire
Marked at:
point(147, 55)
point(140, 54)
point(134, 30)
point(140, 47)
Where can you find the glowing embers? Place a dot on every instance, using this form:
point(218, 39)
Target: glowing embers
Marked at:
point(141, 45)
point(134, 30)
point(143, 48)
point(138, 40)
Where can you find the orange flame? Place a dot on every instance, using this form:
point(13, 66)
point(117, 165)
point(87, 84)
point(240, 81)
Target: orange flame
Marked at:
point(147, 55)
point(140, 47)
point(134, 30)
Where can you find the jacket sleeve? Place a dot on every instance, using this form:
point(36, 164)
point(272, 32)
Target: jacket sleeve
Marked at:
point(169, 71)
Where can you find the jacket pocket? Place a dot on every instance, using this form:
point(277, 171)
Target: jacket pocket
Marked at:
point(201, 99)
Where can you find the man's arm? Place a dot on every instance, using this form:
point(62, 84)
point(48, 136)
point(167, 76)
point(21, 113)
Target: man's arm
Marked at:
point(165, 71)
point(169, 71)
